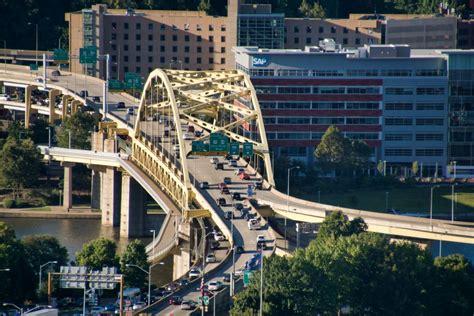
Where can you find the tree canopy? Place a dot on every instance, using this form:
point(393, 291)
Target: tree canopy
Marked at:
point(77, 126)
point(134, 253)
point(98, 253)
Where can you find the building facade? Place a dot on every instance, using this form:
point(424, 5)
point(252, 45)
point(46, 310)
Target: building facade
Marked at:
point(395, 102)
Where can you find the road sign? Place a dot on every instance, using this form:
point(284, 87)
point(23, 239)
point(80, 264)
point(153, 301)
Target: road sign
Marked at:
point(60, 56)
point(218, 142)
point(199, 146)
point(115, 85)
point(205, 298)
point(33, 67)
point(88, 55)
point(247, 149)
point(247, 275)
point(234, 148)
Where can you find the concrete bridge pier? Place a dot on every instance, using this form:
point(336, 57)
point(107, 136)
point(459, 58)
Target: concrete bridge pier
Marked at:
point(133, 208)
point(96, 172)
point(183, 255)
point(110, 195)
point(67, 184)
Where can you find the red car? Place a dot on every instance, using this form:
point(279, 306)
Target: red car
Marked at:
point(244, 176)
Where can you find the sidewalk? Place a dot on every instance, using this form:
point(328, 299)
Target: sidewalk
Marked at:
point(53, 212)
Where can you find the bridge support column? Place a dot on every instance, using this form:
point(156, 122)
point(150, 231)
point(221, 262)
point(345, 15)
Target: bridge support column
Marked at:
point(110, 197)
point(52, 101)
point(28, 90)
point(182, 259)
point(67, 184)
point(95, 189)
point(133, 208)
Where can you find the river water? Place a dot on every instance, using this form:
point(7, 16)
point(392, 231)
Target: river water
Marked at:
point(73, 233)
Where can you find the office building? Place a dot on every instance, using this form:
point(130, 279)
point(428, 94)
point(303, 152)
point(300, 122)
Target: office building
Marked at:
point(395, 101)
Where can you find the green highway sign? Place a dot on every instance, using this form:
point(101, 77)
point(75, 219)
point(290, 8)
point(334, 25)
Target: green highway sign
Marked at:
point(88, 55)
point(247, 275)
point(204, 298)
point(60, 56)
point(198, 146)
point(115, 85)
point(234, 148)
point(218, 142)
point(33, 67)
point(247, 149)
point(133, 81)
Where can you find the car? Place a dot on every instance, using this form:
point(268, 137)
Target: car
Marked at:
point(219, 165)
point(96, 99)
point(239, 171)
point(228, 215)
point(188, 136)
point(204, 185)
point(227, 180)
point(236, 196)
point(197, 133)
point(239, 249)
point(121, 105)
point(159, 291)
point(138, 305)
point(39, 80)
point(194, 273)
point(238, 206)
point(176, 148)
point(260, 239)
point(258, 185)
point(228, 157)
point(190, 129)
point(110, 308)
point(130, 111)
point(188, 305)
point(214, 160)
point(96, 310)
point(221, 185)
point(173, 286)
point(221, 202)
point(211, 258)
point(225, 190)
point(218, 236)
point(214, 285)
point(176, 300)
point(239, 272)
point(84, 93)
point(244, 176)
point(55, 73)
point(233, 163)
point(253, 224)
point(226, 278)
point(215, 245)
point(243, 212)
point(248, 216)
point(183, 282)
point(4, 97)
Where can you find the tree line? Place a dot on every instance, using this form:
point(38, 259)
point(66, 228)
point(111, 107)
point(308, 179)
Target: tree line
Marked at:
point(347, 269)
point(23, 257)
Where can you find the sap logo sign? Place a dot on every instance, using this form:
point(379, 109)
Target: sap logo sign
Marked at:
point(260, 61)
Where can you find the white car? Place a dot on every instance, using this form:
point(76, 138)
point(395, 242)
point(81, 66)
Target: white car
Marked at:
point(211, 258)
point(253, 224)
point(214, 160)
point(214, 285)
point(176, 148)
point(188, 136)
point(260, 239)
point(239, 171)
point(233, 163)
point(138, 305)
point(194, 273)
point(218, 236)
point(4, 97)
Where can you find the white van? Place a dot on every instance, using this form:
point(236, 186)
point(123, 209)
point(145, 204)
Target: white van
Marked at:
point(253, 224)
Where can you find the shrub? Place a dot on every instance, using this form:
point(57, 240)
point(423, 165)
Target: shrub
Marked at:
point(8, 203)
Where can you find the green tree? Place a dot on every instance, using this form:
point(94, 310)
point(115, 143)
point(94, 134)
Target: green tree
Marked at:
point(337, 225)
point(360, 153)
point(314, 10)
point(20, 164)
point(414, 168)
point(78, 125)
point(334, 151)
point(98, 253)
point(134, 253)
point(380, 167)
point(15, 285)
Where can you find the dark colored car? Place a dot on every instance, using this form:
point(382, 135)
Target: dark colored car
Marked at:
point(226, 277)
point(258, 185)
point(197, 133)
point(204, 185)
point(236, 196)
point(238, 206)
point(183, 282)
point(96, 99)
point(228, 215)
point(225, 190)
point(56, 73)
point(215, 245)
point(121, 105)
point(219, 166)
point(228, 157)
point(176, 300)
point(221, 202)
point(84, 93)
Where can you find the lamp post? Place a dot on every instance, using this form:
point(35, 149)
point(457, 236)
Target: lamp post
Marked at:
point(288, 202)
point(128, 265)
point(15, 306)
point(153, 243)
point(41, 268)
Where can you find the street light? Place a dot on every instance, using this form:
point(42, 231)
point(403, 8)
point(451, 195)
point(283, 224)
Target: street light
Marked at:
point(288, 201)
point(15, 306)
point(153, 244)
point(41, 268)
point(36, 26)
point(128, 265)
point(431, 206)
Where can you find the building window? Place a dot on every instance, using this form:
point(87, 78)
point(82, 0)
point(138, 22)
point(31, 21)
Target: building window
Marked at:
point(186, 27)
point(162, 59)
point(211, 27)
point(296, 40)
point(138, 59)
point(199, 49)
point(429, 106)
point(114, 25)
point(114, 68)
point(223, 28)
point(150, 48)
point(198, 60)
point(125, 48)
point(345, 30)
point(125, 36)
point(222, 49)
point(186, 49)
point(114, 58)
point(211, 49)
point(429, 152)
point(174, 27)
point(398, 106)
point(393, 152)
point(223, 39)
point(150, 37)
point(175, 49)
point(138, 69)
point(162, 48)
point(211, 38)
point(362, 105)
point(430, 91)
point(211, 60)
point(150, 59)
point(399, 91)
point(333, 29)
point(429, 121)
point(222, 61)
point(362, 120)
point(186, 60)
point(308, 40)
point(296, 29)
point(150, 26)
point(398, 137)
point(125, 58)
point(114, 36)
point(175, 38)
point(162, 38)
point(125, 25)
point(138, 48)
point(125, 68)
point(321, 29)
point(429, 137)
point(138, 37)
point(162, 27)
point(199, 38)
point(186, 38)
point(357, 41)
point(345, 41)
point(357, 30)
point(309, 29)
point(198, 27)
point(398, 121)
point(114, 47)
